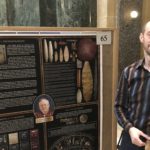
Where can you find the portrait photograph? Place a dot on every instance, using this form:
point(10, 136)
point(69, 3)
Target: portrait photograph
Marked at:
point(43, 108)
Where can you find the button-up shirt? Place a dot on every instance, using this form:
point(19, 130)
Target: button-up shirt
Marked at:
point(132, 104)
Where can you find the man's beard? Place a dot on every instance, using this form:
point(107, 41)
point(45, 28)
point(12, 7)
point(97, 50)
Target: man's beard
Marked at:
point(148, 50)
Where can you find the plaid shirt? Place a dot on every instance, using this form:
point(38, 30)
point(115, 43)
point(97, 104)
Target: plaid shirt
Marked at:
point(132, 104)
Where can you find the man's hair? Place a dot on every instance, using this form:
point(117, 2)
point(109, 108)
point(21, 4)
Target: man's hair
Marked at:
point(144, 26)
point(43, 97)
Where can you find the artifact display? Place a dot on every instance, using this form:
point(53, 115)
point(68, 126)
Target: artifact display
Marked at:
point(62, 68)
point(63, 59)
point(50, 91)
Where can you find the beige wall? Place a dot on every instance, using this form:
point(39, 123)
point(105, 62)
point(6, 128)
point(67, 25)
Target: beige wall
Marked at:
point(106, 13)
point(145, 12)
point(107, 18)
point(145, 15)
point(110, 61)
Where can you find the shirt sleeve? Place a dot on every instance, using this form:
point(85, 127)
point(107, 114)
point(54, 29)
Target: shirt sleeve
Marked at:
point(121, 103)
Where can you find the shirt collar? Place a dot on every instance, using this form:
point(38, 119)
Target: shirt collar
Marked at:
point(140, 63)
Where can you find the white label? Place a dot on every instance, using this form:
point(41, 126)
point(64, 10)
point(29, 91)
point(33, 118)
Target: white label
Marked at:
point(103, 38)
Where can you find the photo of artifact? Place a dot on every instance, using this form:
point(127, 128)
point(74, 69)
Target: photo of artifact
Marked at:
point(43, 108)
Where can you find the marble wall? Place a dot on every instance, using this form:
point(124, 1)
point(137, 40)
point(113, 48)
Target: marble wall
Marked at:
point(3, 13)
point(75, 13)
point(68, 13)
point(129, 45)
point(48, 13)
point(19, 12)
point(61, 13)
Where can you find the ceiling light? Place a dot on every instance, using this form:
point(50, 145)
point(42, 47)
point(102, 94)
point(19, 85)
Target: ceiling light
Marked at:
point(134, 14)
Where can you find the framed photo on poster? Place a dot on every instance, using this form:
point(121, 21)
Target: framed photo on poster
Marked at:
point(43, 108)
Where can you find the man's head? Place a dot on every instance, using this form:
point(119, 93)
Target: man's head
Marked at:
point(44, 106)
point(145, 26)
point(145, 38)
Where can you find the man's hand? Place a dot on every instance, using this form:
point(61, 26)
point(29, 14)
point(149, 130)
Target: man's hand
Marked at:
point(135, 136)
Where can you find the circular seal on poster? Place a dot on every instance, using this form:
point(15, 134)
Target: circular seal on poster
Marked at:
point(43, 108)
point(83, 118)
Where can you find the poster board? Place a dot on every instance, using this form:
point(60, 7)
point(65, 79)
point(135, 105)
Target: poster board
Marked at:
point(46, 77)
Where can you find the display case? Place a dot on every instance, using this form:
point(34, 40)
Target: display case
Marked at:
point(77, 68)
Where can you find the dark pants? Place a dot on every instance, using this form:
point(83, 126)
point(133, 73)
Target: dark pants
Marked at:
point(126, 143)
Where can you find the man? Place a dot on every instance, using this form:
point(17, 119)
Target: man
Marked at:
point(132, 104)
point(44, 107)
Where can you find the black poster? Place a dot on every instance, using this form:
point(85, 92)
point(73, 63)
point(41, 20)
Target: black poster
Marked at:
point(19, 73)
point(74, 128)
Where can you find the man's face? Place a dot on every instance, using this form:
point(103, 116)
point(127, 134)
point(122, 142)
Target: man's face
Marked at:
point(145, 39)
point(44, 106)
